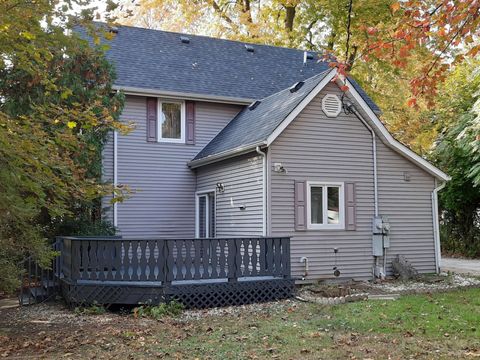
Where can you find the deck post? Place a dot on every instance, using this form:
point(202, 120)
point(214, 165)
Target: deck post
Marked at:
point(232, 260)
point(286, 258)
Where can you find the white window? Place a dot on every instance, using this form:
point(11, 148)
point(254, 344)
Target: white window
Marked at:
point(171, 121)
point(325, 205)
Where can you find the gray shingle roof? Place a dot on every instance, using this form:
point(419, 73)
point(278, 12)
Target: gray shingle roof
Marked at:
point(251, 127)
point(158, 60)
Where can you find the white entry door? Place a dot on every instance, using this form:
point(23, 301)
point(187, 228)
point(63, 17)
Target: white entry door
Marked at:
point(205, 215)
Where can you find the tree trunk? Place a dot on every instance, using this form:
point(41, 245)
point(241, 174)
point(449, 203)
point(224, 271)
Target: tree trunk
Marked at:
point(289, 17)
point(331, 41)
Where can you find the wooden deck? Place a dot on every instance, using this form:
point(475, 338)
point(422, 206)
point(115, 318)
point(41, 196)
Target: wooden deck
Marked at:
point(196, 272)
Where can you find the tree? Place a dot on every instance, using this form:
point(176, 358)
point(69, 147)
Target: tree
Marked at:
point(56, 105)
point(455, 114)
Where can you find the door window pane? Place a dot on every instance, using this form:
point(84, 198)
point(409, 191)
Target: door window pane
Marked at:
point(202, 216)
point(171, 121)
point(333, 205)
point(211, 214)
point(316, 201)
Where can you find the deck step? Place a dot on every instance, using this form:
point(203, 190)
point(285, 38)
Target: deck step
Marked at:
point(38, 292)
point(26, 299)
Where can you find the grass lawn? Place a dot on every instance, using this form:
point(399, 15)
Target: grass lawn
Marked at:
point(419, 326)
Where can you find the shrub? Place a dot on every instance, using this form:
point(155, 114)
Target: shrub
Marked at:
point(172, 308)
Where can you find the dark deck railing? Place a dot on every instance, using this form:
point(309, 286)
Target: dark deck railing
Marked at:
point(165, 261)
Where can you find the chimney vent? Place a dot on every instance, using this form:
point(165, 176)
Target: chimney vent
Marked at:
point(249, 48)
point(113, 29)
point(185, 39)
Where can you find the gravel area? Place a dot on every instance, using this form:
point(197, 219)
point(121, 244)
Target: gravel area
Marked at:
point(359, 290)
point(439, 283)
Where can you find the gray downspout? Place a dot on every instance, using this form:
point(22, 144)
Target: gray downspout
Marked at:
point(350, 107)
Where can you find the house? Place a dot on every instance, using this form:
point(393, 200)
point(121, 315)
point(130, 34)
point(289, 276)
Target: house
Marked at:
point(243, 140)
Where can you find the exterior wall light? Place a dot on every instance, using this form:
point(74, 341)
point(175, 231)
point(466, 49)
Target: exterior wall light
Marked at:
point(220, 188)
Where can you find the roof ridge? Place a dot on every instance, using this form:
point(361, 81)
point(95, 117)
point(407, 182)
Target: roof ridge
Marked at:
point(207, 37)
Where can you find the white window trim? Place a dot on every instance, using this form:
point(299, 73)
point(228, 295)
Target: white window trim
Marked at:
point(198, 194)
point(182, 121)
point(341, 199)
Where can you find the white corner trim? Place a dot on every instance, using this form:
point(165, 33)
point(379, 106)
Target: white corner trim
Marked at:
point(436, 226)
point(115, 176)
point(301, 106)
point(391, 142)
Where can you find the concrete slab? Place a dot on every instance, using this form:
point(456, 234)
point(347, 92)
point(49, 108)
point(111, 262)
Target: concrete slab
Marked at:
point(461, 266)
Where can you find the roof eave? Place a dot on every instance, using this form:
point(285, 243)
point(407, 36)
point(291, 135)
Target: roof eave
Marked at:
point(137, 91)
point(193, 164)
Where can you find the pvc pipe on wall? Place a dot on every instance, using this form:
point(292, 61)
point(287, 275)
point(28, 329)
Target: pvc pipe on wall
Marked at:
point(351, 107)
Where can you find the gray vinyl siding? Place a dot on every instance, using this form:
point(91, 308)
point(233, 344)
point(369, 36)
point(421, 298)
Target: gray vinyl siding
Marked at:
point(316, 148)
point(163, 202)
point(242, 177)
point(409, 208)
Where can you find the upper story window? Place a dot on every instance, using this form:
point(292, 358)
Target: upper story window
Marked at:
point(325, 205)
point(171, 121)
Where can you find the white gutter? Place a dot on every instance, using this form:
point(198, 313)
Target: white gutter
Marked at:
point(436, 226)
point(351, 107)
point(224, 155)
point(115, 176)
point(264, 188)
point(130, 90)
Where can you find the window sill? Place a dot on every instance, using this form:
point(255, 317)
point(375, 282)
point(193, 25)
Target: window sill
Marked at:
point(325, 228)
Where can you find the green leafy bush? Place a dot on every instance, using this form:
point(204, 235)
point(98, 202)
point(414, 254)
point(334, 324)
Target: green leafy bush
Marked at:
point(172, 308)
point(94, 309)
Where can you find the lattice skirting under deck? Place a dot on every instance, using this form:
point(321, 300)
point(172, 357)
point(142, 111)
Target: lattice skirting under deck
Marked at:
point(225, 294)
point(191, 295)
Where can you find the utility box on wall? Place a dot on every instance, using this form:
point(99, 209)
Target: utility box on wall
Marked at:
point(381, 238)
point(377, 245)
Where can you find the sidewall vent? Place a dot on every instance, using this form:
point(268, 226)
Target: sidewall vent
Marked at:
point(331, 105)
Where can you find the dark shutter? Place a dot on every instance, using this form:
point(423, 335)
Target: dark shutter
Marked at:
point(350, 207)
point(190, 118)
point(300, 205)
point(151, 119)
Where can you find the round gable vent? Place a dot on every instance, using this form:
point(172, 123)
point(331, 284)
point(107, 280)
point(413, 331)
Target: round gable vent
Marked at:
point(331, 105)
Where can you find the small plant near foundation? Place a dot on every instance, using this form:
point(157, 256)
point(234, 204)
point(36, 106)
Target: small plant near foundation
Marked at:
point(170, 309)
point(94, 309)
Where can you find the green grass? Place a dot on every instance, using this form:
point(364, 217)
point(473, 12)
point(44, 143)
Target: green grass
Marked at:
point(417, 325)
point(431, 316)
point(438, 326)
